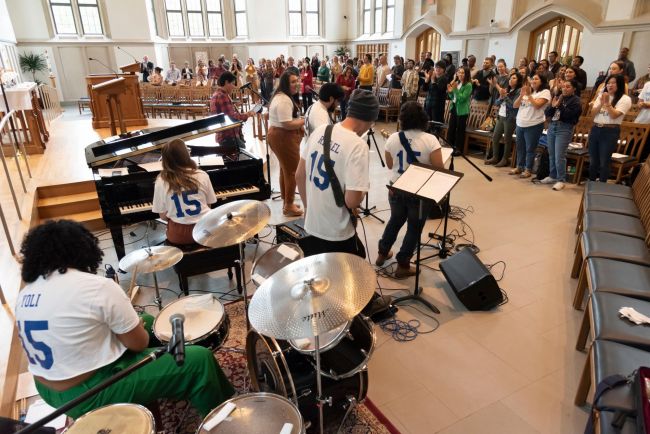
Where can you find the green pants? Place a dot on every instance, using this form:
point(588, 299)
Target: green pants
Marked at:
point(200, 380)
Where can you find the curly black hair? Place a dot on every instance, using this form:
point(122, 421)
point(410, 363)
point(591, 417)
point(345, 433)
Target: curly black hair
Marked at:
point(57, 246)
point(413, 117)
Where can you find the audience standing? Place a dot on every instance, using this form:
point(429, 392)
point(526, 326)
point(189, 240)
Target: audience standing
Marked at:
point(506, 119)
point(459, 91)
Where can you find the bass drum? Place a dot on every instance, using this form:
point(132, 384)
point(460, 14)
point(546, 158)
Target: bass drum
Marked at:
point(275, 367)
point(117, 418)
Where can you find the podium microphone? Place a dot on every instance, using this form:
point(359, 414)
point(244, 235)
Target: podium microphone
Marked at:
point(134, 58)
point(105, 66)
point(177, 344)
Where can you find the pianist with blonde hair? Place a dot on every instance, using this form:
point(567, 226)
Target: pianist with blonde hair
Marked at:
point(182, 193)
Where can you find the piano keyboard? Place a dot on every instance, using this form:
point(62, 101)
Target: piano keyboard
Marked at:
point(221, 194)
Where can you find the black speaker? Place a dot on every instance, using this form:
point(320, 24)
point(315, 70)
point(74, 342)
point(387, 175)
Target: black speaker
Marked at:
point(472, 282)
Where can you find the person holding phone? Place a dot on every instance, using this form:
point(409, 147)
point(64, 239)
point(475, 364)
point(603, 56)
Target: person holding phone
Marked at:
point(532, 100)
point(459, 92)
point(609, 110)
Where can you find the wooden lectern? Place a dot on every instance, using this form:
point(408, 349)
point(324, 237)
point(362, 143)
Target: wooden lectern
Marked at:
point(123, 90)
point(130, 69)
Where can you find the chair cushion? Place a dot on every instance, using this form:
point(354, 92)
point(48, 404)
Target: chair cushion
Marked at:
point(619, 190)
point(611, 358)
point(610, 326)
point(605, 420)
point(608, 275)
point(613, 204)
point(577, 152)
point(599, 221)
point(614, 246)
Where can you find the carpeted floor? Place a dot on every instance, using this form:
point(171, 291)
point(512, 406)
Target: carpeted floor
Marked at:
point(178, 417)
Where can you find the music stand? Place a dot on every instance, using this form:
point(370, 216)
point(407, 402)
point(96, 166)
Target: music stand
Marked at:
point(366, 211)
point(423, 182)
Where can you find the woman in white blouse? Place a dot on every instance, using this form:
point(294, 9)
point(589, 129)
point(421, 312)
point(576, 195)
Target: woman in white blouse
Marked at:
point(609, 109)
point(532, 102)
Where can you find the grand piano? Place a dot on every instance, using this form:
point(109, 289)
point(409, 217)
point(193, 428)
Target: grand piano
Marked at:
point(125, 170)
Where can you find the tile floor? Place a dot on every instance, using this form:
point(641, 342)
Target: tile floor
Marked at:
point(511, 370)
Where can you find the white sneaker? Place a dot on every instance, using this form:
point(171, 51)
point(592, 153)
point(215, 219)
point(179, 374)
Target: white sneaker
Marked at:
point(558, 186)
point(548, 180)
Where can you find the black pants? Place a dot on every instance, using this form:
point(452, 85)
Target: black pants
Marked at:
point(314, 246)
point(456, 131)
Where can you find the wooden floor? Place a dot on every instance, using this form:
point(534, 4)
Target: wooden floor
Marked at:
point(512, 370)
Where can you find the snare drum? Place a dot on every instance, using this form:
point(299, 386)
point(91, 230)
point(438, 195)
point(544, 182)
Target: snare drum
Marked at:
point(206, 322)
point(115, 418)
point(345, 350)
point(273, 260)
point(255, 413)
point(275, 367)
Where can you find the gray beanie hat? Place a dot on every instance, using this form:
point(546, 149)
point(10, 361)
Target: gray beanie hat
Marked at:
point(363, 105)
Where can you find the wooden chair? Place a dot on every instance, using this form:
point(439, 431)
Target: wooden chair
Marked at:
point(477, 114)
point(631, 144)
point(631, 115)
point(483, 138)
point(392, 102)
point(575, 155)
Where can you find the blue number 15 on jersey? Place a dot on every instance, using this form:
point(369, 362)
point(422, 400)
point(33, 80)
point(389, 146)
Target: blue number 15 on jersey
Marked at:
point(189, 207)
point(322, 181)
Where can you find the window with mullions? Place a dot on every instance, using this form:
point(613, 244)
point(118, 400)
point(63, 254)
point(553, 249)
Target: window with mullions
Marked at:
point(304, 18)
point(194, 17)
point(71, 15)
point(379, 9)
point(215, 17)
point(366, 17)
point(390, 15)
point(91, 24)
point(63, 17)
point(175, 18)
point(241, 26)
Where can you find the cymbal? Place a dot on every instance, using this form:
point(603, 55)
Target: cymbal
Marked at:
point(231, 223)
point(312, 296)
point(150, 259)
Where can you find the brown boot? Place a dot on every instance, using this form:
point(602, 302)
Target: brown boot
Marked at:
point(381, 258)
point(503, 163)
point(404, 271)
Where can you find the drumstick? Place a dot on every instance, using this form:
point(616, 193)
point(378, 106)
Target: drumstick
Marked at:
point(132, 284)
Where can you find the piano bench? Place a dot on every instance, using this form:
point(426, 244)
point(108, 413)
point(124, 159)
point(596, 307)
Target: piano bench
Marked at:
point(200, 260)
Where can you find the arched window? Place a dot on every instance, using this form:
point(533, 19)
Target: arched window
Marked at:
point(561, 34)
point(429, 40)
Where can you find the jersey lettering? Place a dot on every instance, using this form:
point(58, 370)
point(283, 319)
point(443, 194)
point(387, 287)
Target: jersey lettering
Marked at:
point(42, 354)
point(190, 207)
point(318, 162)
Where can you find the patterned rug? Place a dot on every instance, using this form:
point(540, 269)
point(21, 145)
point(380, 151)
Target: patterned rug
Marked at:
point(178, 416)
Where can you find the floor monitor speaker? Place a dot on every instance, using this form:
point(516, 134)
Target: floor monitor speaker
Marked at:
point(471, 281)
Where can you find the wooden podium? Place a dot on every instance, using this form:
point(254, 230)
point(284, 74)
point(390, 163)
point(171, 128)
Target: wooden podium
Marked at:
point(130, 69)
point(122, 91)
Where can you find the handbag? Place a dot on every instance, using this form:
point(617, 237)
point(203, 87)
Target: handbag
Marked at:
point(488, 124)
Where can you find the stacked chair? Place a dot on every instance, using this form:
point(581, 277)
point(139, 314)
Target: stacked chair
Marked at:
point(612, 264)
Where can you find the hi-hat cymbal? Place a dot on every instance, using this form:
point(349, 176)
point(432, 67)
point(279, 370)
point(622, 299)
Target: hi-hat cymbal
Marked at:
point(231, 223)
point(312, 296)
point(151, 259)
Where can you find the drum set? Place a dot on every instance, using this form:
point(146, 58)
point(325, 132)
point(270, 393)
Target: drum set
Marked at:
point(307, 345)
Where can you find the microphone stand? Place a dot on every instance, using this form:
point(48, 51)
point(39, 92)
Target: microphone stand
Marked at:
point(268, 155)
point(443, 251)
point(101, 386)
point(366, 211)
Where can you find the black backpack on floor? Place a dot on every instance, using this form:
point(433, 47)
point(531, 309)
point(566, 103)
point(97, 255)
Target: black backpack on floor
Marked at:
point(541, 165)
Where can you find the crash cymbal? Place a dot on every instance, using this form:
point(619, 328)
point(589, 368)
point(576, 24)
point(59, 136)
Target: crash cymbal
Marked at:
point(151, 259)
point(231, 223)
point(312, 296)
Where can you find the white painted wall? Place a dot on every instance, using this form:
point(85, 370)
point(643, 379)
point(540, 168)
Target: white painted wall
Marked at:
point(599, 50)
point(504, 47)
point(620, 10)
point(6, 28)
point(127, 20)
point(29, 19)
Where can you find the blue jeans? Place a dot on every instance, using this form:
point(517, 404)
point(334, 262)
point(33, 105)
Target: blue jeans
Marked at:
point(527, 141)
point(559, 136)
point(404, 209)
point(602, 142)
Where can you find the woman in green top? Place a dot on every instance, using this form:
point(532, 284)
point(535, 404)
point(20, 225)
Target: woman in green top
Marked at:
point(323, 72)
point(459, 92)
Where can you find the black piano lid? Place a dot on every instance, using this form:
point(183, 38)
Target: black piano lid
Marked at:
point(141, 141)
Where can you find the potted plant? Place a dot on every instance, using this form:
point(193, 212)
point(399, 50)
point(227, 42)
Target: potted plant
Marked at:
point(30, 62)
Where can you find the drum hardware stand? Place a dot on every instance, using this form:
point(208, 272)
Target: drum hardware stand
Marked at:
point(352, 403)
point(366, 211)
point(101, 386)
point(242, 271)
point(320, 400)
point(442, 247)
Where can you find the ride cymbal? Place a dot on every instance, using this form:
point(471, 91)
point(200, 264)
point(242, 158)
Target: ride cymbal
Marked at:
point(150, 259)
point(231, 223)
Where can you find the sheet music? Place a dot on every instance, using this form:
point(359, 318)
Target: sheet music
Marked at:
point(156, 166)
point(413, 179)
point(107, 173)
point(446, 154)
point(437, 186)
point(209, 160)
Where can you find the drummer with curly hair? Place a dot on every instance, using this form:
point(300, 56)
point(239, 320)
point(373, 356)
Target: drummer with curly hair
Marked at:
point(78, 328)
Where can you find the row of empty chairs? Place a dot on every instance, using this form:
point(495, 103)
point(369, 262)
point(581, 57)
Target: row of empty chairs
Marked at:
point(612, 265)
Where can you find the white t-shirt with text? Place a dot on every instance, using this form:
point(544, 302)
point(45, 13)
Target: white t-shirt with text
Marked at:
point(422, 144)
point(528, 115)
point(623, 105)
point(644, 114)
point(68, 323)
point(187, 207)
point(349, 154)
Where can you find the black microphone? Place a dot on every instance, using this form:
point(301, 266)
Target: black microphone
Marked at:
point(177, 344)
point(247, 85)
point(106, 66)
point(134, 58)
